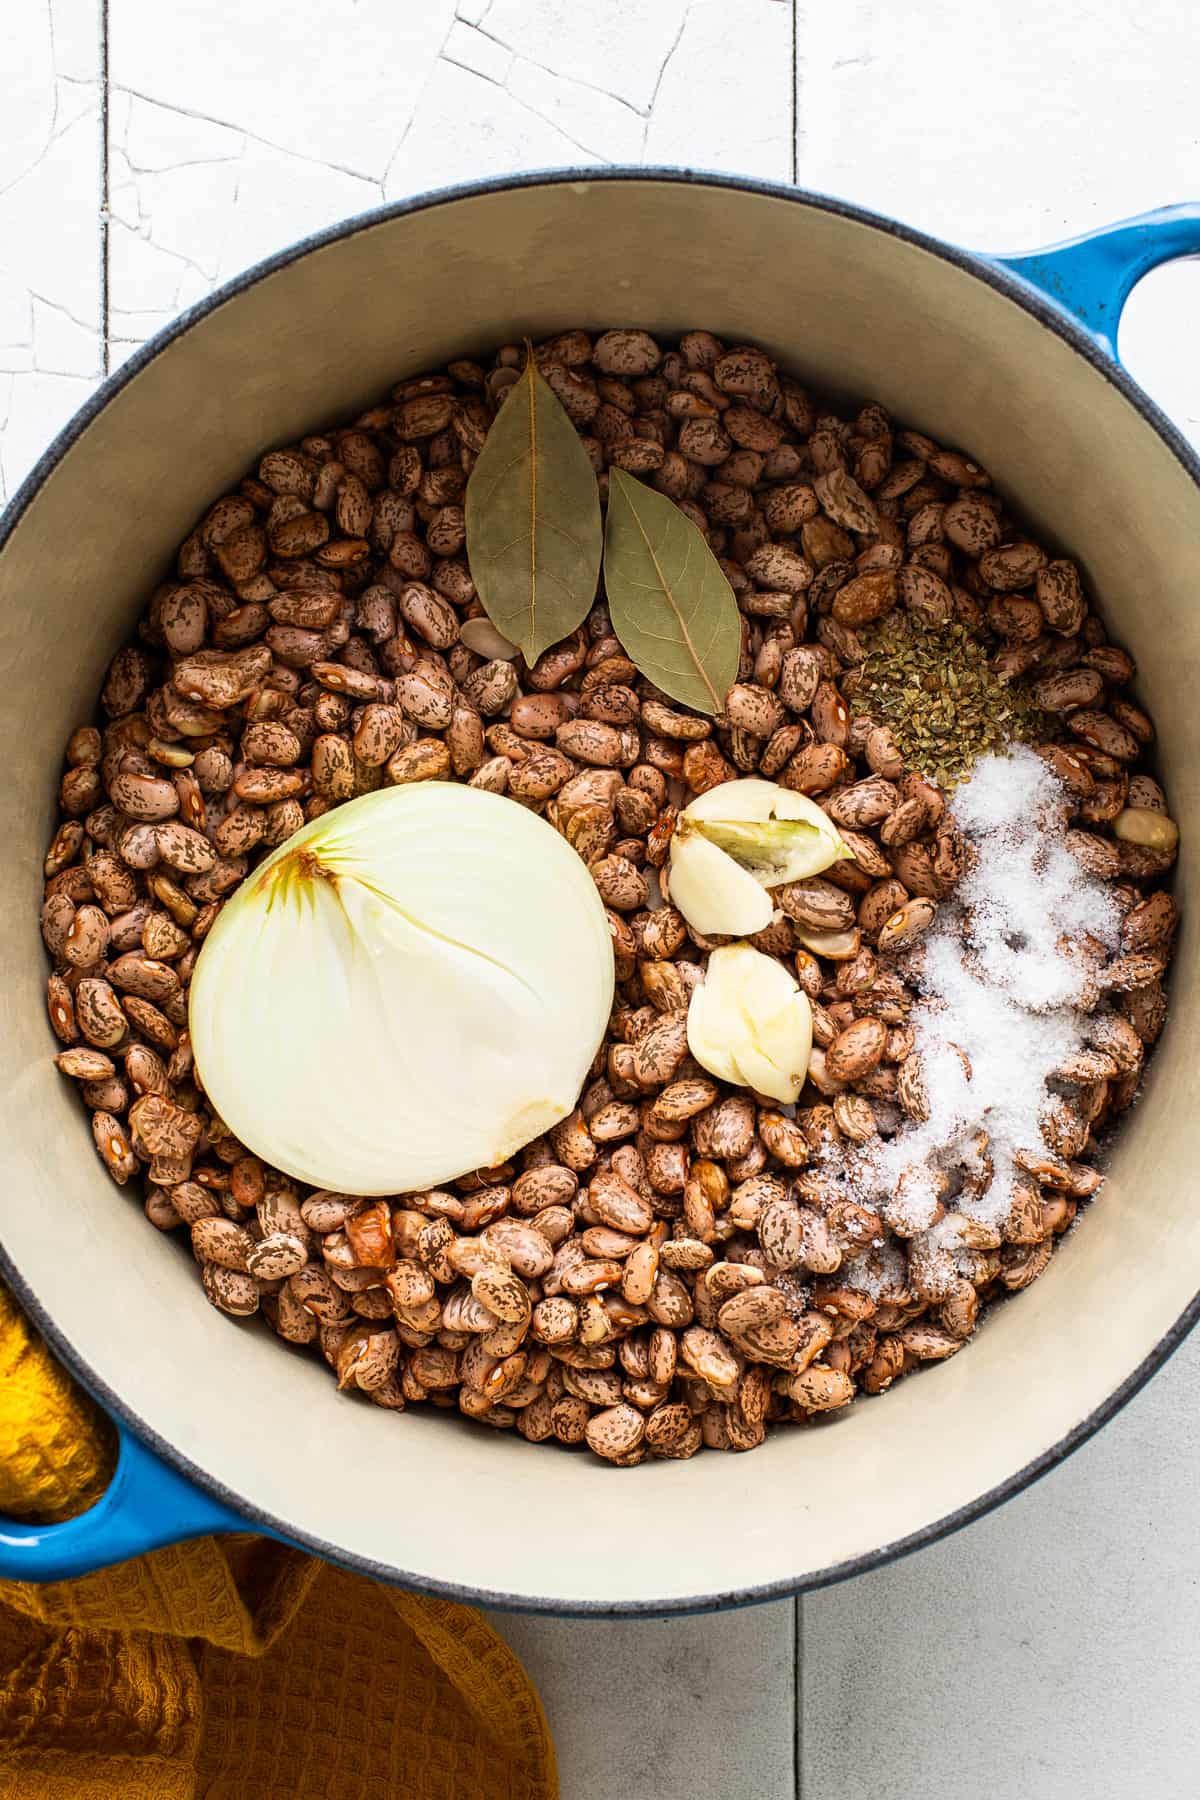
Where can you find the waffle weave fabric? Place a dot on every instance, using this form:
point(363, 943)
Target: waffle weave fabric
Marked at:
point(232, 1666)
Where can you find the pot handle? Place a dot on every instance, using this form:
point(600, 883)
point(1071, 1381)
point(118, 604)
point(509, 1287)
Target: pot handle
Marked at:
point(147, 1504)
point(1092, 276)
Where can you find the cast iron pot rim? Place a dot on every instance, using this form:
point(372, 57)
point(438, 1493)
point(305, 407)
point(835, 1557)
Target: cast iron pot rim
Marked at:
point(1064, 326)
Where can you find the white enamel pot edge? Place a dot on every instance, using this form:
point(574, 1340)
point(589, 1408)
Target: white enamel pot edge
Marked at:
point(261, 1436)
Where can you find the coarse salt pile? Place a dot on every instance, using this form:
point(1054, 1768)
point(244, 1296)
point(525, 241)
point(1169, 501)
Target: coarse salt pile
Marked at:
point(1002, 974)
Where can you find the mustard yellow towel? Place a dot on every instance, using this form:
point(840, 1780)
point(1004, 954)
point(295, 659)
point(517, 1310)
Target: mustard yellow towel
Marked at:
point(232, 1668)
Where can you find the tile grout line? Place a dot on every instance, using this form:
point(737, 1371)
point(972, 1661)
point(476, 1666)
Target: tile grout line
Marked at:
point(798, 1697)
point(104, 190)
point(795, 93)
point(798, 1601)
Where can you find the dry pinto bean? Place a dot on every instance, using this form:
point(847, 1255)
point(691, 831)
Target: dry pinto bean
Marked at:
point(542, 773)
point(230, 1290)
point(263, 786)
point(378, 734)
point(857, 1050)
point(539, 715)
point(906, 923)
point(618, 1204)
point(490, 689)
point(815, 769)
point(98, 1013)
point(144, 797)
point(113, 1146)
point(817, 903)
point(84, 1065)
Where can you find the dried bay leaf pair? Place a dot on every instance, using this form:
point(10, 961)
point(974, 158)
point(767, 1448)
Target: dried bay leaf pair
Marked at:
point(535, 546)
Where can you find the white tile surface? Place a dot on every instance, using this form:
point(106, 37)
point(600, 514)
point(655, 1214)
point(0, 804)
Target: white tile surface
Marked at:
point(472, 49)
point(1051, 1649)
point(332, 87)
point(598, 123)
point(1005, 127)
point(195, 201)
point(720, 103)
point(50, 196)
point(465, 126)
point(622, 49)
point(667, 1709)
point(999, 125)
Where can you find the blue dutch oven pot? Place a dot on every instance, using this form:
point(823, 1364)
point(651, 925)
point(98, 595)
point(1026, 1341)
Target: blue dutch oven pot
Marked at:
point(223, 1429)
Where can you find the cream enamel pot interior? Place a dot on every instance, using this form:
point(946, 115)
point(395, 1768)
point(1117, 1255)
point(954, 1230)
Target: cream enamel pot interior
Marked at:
point(222, 1425)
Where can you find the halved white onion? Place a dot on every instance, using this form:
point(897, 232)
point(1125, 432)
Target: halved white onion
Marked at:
point(411, 987)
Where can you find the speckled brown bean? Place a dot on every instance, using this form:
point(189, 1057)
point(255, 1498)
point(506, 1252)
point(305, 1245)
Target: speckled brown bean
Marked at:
point(857, 1050)
point(378, 734)
point(84, 1065)
point(618, 1204)
point(221, 1241)
point(552, 1184)
point(135, 974)
point(276, 1256)
point(98, 1013)
point(85, 940)
point(147, 798)
point(426, 760)
point(1103, 733)
point(817, 904)
point(815, 769)
point(626, 353)
point(425, 695)
point(541, 774)
point(539, 715)
point(64, 847)
point(266, 786)
point(113, 1146)
point(615, 1432)
point(230, 1290)
point(152, 1023)
point(604, 746)
point(145, 1070)
point(332, 767)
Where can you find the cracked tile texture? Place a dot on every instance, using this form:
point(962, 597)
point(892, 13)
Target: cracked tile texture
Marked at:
point(1051, 1648)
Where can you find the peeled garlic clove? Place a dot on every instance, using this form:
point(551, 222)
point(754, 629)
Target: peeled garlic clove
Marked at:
point(758, 1070)
point(766, 833)
point(752, 798)
point(772, 850)
point(712, 892)
point(750, 1017)
point(413, 986)
point(728, 813)
point(705, 1025)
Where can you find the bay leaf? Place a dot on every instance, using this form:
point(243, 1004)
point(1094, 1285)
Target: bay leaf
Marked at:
point(671, 606)
point(534, 539)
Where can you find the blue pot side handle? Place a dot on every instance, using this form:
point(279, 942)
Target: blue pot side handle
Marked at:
point(1091, 277)
point(147, 1504)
